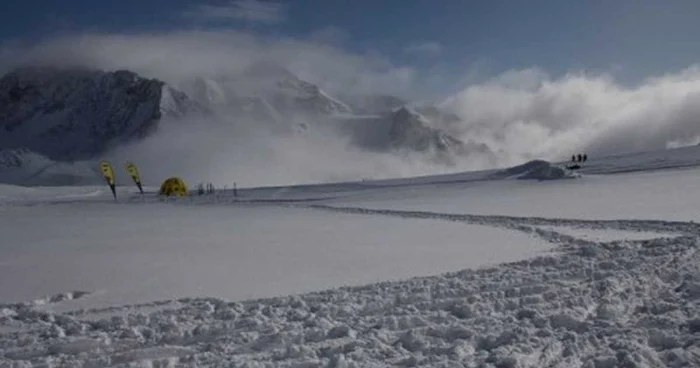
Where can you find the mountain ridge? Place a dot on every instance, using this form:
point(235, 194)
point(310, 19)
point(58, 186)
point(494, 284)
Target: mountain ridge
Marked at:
point(78, 114)
point(73, 113)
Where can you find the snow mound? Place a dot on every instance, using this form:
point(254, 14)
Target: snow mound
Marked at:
point(535, 169)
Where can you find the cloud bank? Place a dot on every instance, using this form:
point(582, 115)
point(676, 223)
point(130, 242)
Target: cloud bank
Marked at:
point(178, 55)
point(217, 151)
point(529, 114)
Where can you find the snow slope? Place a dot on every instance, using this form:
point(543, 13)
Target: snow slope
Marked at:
point(601, 271)
point(263, 92)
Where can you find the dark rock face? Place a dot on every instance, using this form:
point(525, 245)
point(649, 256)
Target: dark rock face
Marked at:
point(71, 114)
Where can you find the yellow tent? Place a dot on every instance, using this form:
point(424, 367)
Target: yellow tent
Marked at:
point(173, 187)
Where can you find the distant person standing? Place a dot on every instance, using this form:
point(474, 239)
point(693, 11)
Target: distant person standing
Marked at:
point(580, 158)
point(585, 157)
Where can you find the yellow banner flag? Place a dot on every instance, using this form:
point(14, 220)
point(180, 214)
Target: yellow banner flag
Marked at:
point(108, 173)
point(134, 173)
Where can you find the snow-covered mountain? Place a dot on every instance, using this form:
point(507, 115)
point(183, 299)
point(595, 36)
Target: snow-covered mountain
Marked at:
point(264, 92)
point(373, 104)
point(411, 130)
point(435, 114)
point(407, 130)
point(50, 115)
point(73, 114)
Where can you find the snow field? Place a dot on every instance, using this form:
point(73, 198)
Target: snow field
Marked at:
point(591, 278)
point(619, 303)
point(639, 195)
point(136, 253)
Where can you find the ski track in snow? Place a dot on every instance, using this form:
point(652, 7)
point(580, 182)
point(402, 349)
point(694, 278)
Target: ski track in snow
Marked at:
point(629, 303)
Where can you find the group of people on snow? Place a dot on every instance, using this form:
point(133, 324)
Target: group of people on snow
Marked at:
point(579, 157)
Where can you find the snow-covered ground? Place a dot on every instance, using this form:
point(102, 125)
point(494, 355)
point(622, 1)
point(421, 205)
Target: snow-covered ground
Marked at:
point(140, 253)
point(596, 271)
point(639, 195)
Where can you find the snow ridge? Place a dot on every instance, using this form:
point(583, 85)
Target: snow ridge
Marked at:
point(535, 169)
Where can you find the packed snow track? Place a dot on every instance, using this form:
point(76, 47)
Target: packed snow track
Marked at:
point(618, 303)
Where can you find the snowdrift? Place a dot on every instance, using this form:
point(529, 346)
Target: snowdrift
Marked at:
point(537, 170)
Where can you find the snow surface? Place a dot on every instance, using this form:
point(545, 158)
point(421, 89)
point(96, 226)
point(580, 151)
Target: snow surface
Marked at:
point(601, 271)
point(536, 169)
point(135, 253)
point(639, 195)
point(606, 235)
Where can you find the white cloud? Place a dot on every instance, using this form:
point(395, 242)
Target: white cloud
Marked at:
point(426, 48)
point(528, 114)
point(172, 56)
point(255, 11)
point(224, 152)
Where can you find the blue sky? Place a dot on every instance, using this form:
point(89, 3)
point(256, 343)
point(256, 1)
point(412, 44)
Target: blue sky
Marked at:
point(633, 39)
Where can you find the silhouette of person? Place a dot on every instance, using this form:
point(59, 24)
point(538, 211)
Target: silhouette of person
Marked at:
point(573, 158)
point(585, 157)
point(579, 157)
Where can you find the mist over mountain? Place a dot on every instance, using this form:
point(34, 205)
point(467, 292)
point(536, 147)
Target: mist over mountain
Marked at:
point(57, 116)
point(228, 106)
point(373, 104)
